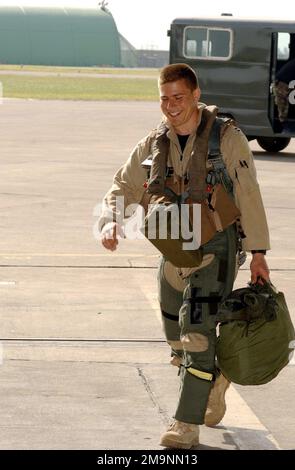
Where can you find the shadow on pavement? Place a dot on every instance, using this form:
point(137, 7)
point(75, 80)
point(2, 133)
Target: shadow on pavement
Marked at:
point(256, 439)
point(274, 157)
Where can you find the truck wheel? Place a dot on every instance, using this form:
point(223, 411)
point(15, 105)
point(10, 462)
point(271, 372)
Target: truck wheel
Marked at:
point(273, 144)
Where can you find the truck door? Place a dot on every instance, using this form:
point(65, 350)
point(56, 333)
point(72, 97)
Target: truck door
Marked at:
point(272, 112)
point(283, 50)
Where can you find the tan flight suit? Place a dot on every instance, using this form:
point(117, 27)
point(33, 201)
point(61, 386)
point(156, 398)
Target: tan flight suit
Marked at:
point(189, 325)
point(237, 156)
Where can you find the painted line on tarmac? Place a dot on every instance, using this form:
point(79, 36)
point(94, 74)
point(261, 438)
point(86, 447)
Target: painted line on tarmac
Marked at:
point(240, 421)
point(91, 255)
point(109, 255)
point(76, 255)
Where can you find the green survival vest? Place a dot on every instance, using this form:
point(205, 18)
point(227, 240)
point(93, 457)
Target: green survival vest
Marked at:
point(218, 209)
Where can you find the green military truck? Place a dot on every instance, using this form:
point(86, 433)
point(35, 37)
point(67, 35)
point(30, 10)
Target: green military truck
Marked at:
point(237, 61)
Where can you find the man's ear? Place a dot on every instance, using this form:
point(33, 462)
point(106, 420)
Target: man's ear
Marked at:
point(197, 94)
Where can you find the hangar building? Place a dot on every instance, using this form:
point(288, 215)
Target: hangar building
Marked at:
point(62, 37)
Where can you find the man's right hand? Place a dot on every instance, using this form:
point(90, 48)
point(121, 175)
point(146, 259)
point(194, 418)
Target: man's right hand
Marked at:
point(109, 235)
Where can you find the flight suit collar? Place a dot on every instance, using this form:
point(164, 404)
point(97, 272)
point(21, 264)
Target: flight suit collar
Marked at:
point(177, 159)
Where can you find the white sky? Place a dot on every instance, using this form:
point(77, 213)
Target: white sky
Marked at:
point(144, 23)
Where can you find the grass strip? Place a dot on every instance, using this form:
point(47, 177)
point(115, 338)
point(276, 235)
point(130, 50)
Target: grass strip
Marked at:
point(72, 88)
point(95, 70)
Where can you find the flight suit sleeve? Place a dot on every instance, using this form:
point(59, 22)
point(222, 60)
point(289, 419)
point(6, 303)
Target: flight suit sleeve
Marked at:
point(127, 187)
point(239, 162)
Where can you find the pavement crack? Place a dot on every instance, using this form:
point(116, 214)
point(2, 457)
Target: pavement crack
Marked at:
point(163, 414)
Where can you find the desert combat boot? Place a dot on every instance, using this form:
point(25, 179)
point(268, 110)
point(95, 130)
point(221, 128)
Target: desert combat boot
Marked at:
point(216, 406)
point(181, 435)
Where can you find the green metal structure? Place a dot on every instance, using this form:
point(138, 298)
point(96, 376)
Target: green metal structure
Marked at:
point(59, 36)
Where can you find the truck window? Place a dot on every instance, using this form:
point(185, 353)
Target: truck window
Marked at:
point(207, 43)
point(283, 52)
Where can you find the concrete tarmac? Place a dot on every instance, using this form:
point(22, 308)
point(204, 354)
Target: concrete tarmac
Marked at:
point(85, 364)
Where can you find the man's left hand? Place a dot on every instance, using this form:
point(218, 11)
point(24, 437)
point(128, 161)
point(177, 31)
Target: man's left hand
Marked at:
point(259, 269)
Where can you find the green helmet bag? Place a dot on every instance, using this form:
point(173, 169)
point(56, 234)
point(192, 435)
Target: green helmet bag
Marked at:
point(256, 335)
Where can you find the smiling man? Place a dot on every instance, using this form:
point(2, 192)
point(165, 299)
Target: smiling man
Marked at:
point(179, 103)
point(194, 158)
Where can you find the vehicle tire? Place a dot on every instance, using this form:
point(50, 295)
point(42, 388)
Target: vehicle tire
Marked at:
point(273, 144)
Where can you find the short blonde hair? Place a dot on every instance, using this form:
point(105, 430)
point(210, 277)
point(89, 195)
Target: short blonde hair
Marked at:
point(174, 72)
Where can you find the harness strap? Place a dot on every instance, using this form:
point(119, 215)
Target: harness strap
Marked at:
point(215, 156)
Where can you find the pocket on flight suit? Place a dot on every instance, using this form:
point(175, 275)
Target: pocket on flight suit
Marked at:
point(172, 275)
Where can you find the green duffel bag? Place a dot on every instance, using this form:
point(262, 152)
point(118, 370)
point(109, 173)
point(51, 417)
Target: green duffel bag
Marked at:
point(256, 335)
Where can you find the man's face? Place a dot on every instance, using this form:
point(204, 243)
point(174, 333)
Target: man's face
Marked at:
point(179, 105)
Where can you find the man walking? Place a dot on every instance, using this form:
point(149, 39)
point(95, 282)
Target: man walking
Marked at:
point(223, 183)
